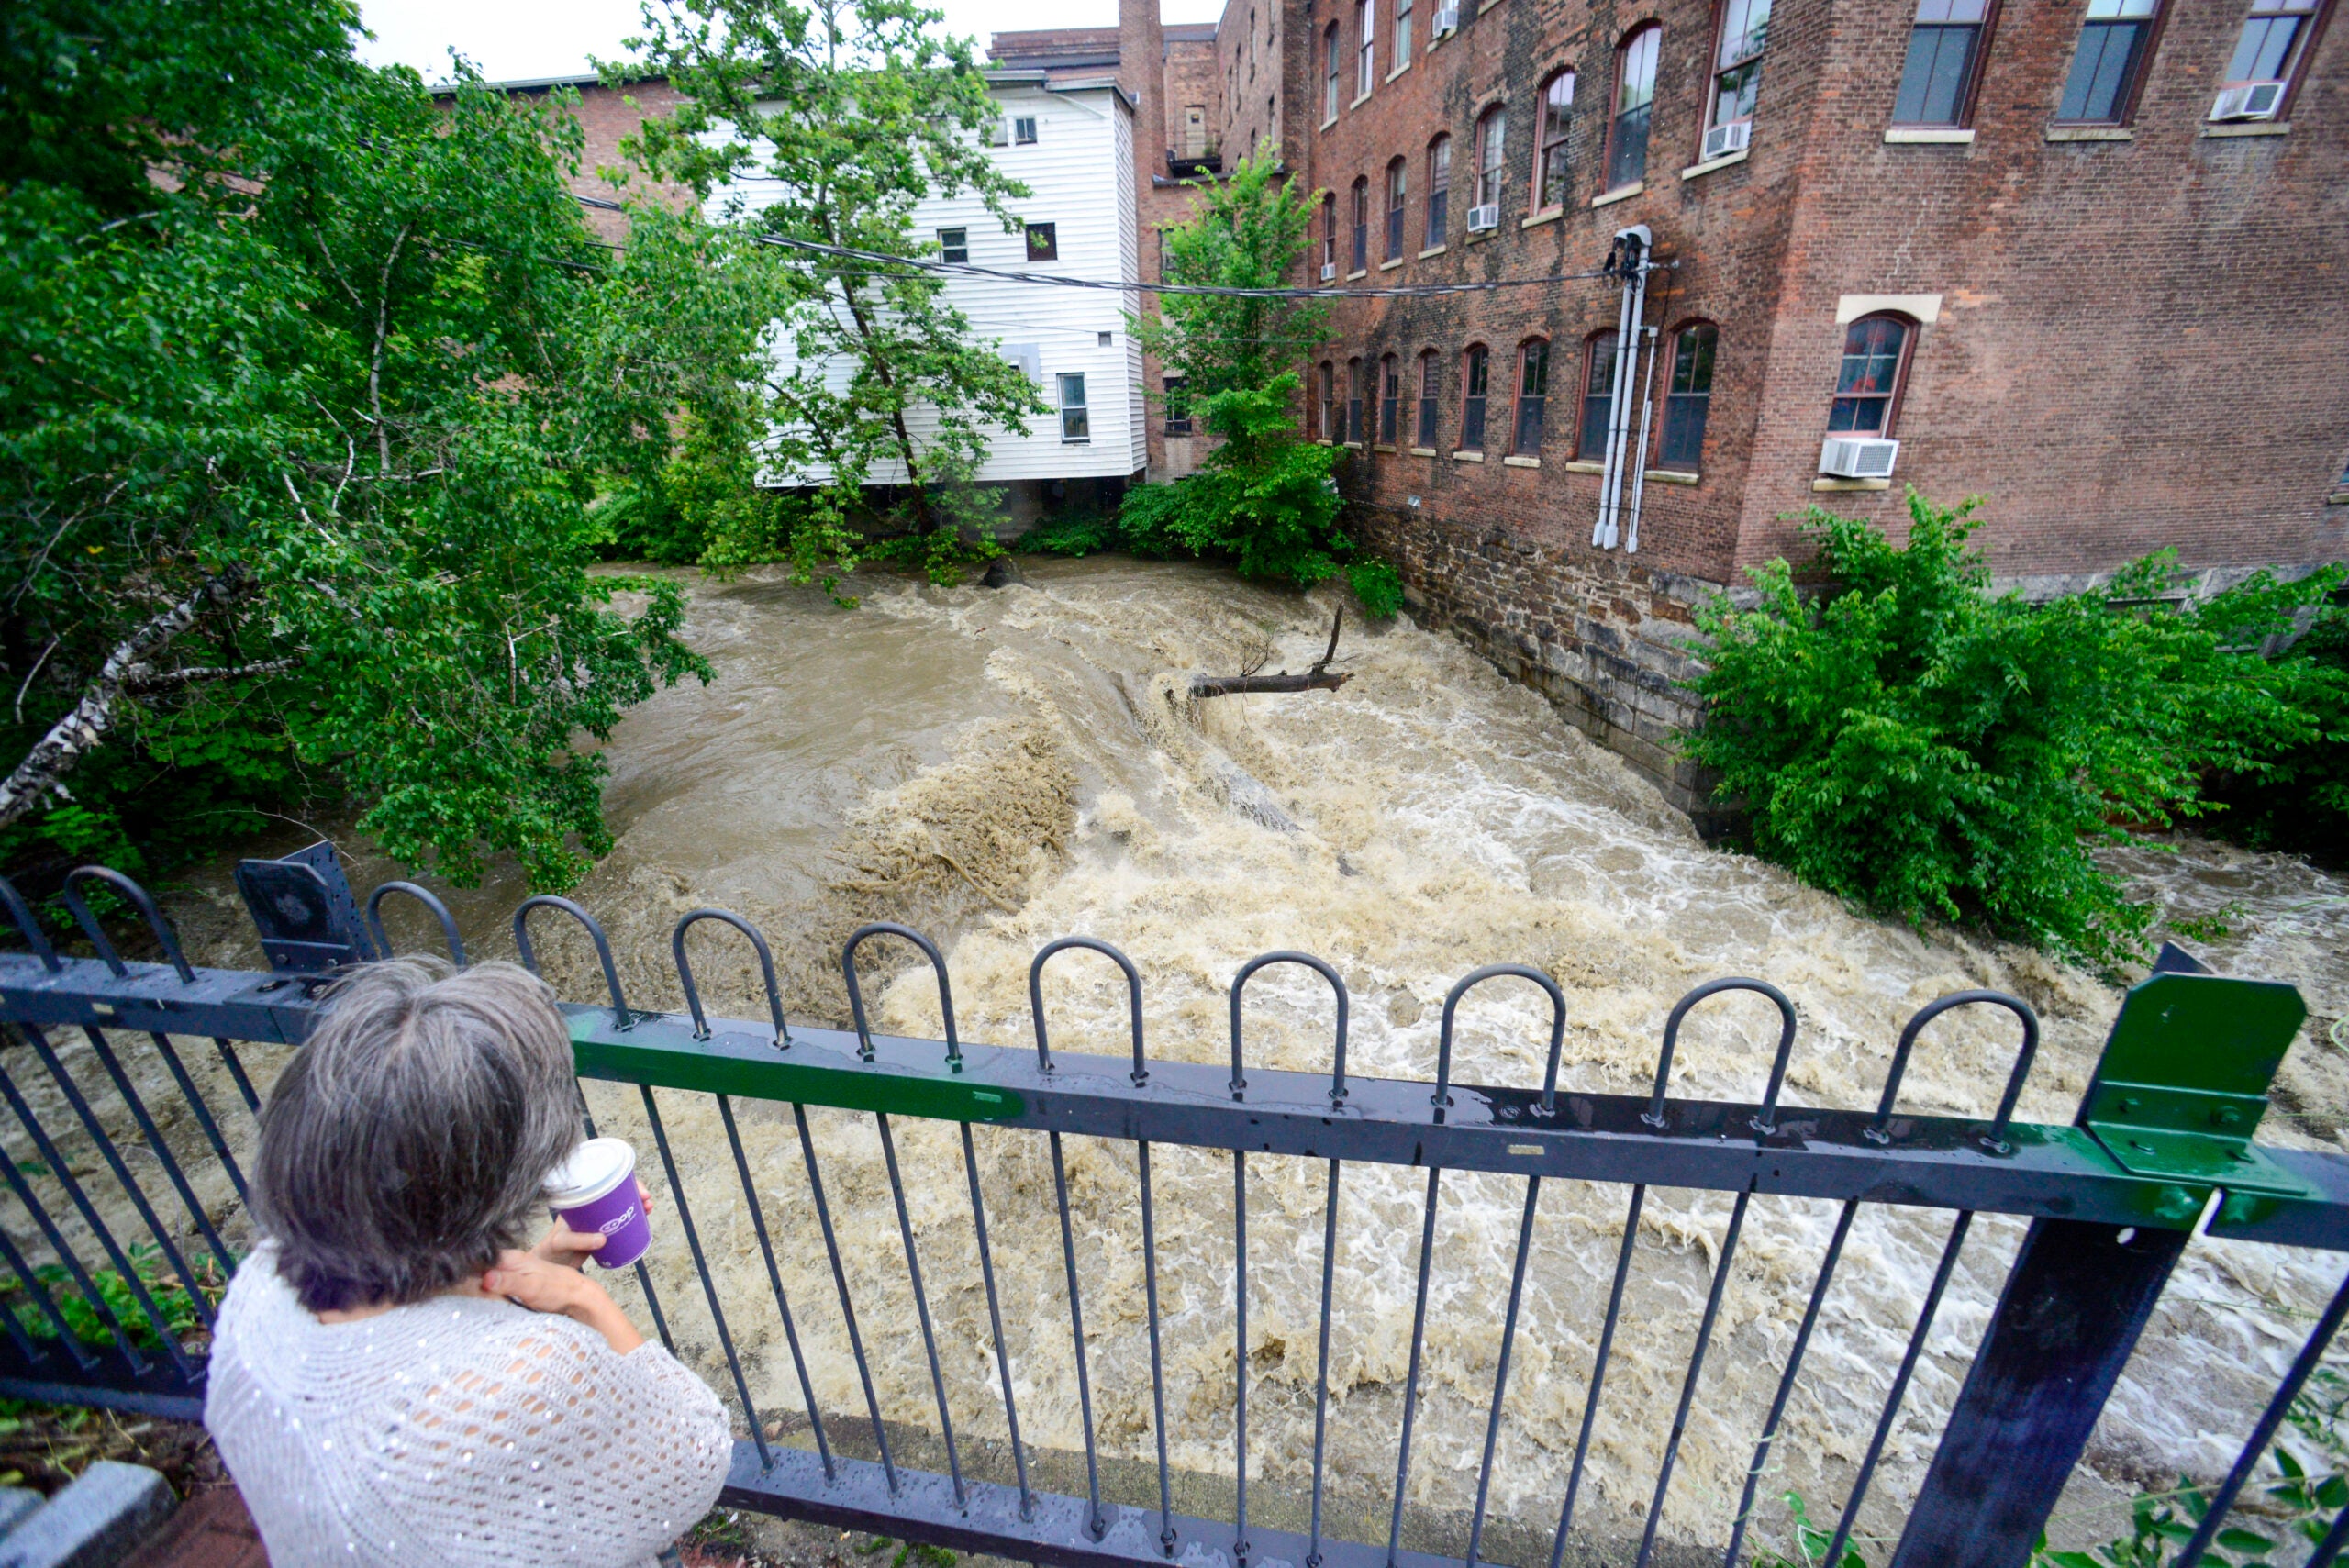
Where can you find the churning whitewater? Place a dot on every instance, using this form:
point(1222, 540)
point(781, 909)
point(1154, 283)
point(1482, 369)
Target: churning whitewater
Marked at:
point(1001, 767)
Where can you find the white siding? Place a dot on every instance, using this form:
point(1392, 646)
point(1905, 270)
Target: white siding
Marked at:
point(1080, 176)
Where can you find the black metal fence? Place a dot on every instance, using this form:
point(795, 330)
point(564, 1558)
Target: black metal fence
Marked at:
point(2162, 1145)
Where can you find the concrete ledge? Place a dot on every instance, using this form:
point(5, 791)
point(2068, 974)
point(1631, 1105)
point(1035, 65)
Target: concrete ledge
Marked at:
point(2253, 127)
point(2090, 133)
point(1547, 214)
point(1513, 461)
point(94, 1522)
point(1432, 250)
point(1626, 193)
point(1468, 457)
point(1422, 451)
point(1388, 266)
point(1826, 485)
point(1579, 466)
point(1929, 136)
point(1672, 476)
point(1696, 171)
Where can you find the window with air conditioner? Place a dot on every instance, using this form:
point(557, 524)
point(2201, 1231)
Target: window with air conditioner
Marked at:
point(1447, 21)
point(1492, 136)
point(2268, 56)
point(1737, 77)
point(1857, 457)
point(1868, 398)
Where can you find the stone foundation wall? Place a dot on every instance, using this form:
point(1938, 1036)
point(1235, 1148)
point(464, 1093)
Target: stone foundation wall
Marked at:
point(1602, 637)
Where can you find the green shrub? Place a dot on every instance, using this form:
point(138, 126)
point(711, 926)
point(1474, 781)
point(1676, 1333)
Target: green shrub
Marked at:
point(1071, 534)
point(1910, 742)
point(1379, 587)
point(2300, 802)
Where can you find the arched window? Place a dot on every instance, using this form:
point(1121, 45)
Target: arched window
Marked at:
point(1474, 365)
point(1390, 400)
point(1532, 395)
point(1557, 118)
point(1329, 81)
point(1396, 194)
point(1329, 388)
point(1492, 134)
point(1689, 395)
point(1353, 402)
point(1737, 61)
point(1362, 224)
point(1598, 396)
point(1365, 44)
point(1867, 384)
point(1402, 33)
point(1431, 395)
point(1627, 133)
point(1439, 189)
point(1944, 61)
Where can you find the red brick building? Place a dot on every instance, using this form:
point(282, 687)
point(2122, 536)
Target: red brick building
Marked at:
point(2086, 259)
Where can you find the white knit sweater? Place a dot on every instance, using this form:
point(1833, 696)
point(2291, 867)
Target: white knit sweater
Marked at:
point(458, 1431)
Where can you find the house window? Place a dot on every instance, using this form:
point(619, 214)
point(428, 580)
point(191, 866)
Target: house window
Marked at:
point(1329, 402)
point(954, 244)
point(1329, 231)
point(1362, 225)
point(1354, 403)
point(1178, 405)
point(1044, 243)
point(1690, 395)
point(1073, 426)
point(2102, 88)
point(1402, 33)
point(1390, 400)
point(1492, 132)
point(1023, 130)
point(1472, 399)
point(2274, 42)
point(1365, 19)
point(1868, 385)
point(1395, 196)
point(1945, 46)
point(1329, 81)
point(1439, 188)
point(1627, 137)
point(1557, 118)
point(1431, 390)
point(1597, 397)
point(1737, 63)
point(1532, 394)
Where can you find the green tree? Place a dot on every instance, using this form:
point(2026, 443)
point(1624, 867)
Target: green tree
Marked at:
point(1265, 498)
point(846, 116)
point(1908, 741)
point(307, 376)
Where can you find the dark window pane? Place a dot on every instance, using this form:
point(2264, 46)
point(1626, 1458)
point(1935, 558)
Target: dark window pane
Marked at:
point(1627, 151)
point(1472, 424)
point(1864, 415)
point(1394, 233)
point(2266, 46)
point(1683, 431)
point(1933, 84)
point(1436, 203)
point(1044, 244)
point(1427, 407)
point(1529, 425)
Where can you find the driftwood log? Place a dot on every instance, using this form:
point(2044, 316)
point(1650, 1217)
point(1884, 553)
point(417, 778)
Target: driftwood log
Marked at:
point(1319, 678)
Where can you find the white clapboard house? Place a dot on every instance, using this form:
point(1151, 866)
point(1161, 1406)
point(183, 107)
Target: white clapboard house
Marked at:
point(1071, 143)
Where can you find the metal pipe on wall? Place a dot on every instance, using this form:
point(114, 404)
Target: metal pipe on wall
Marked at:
point(1631, 266)
point(1640, 451)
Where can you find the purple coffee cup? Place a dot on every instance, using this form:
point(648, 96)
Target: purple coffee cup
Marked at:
point(594, 1191)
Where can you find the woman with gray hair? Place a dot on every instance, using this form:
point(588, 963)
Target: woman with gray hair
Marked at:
point(394, 1382)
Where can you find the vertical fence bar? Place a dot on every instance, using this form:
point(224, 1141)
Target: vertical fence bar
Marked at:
point(1598, 1373)
point(1411, 1379)
point(39, 1292)
point(921, 1309)
point(994, 1322)
point(203, 1112)
point(848, 1307)
point(1321, 1373)
point(162, 1150)
point(708, 1285)
point(1157, 1365)
point(1500, 1373)
point(1787, 1381)
point(775, 1278)
point(229, 1059)
point(1696, 1369)
point(1240, 1342)
point(1095, 1525)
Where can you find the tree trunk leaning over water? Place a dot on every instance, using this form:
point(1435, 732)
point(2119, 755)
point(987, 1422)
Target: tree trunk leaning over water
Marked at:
point(1319, 678)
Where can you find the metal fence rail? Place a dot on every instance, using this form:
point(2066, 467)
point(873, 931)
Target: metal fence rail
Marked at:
point(2163, 1143)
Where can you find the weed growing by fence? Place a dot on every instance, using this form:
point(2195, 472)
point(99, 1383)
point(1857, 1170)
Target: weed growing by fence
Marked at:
point(163, 1287)
point(1910, 742)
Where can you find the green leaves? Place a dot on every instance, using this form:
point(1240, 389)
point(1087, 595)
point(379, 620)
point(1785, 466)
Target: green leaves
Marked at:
point(1910, 742)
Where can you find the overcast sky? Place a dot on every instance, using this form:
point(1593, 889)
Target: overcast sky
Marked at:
point(512, 39)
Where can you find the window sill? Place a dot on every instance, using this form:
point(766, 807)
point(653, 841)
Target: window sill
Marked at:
point(1357, 273)
point(1389, 266)
point(1468, 457)
point(1359, 101)
point(1431, 251)
point(2090, 133)
point(1487, 6)
point(1624, 194)
point(1381, 446)
point(1824, 484)
point(1080, 441)
point(1672, 476)
point(2338, 498)
point(1929, 136)
point(1325, 125)
point(1579, 466)
point(1398, 71)
point(1547, 214)
point(2255, 128)
point(1478, 236)
point(1513, 461)
point(1694, 169)
point(1430, 452)
point(1352, 446)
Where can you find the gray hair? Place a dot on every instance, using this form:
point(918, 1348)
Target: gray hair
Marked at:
point(406, 1143)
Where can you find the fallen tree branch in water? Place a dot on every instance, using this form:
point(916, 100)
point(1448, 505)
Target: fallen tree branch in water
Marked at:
point(1319, 678)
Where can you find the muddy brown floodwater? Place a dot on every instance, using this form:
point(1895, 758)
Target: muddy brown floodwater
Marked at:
point(1001, 767)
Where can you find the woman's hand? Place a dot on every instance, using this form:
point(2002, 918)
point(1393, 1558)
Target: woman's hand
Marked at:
point(528, 1279)
point(572, 1248)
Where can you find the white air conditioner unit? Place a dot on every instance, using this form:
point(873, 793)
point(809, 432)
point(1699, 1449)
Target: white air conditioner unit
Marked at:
point(1857, 457)
point(1483, 217)
point(1328, 271)
point(1723, 139)
point(1447, 19)
point(2254, 101)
